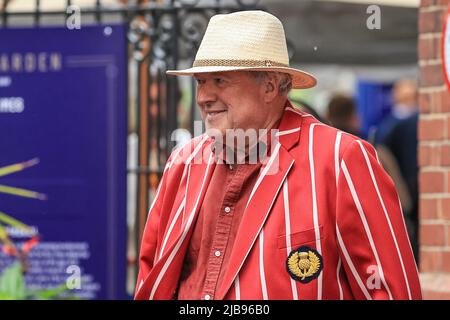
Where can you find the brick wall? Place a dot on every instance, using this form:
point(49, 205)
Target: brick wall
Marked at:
point(434, 154)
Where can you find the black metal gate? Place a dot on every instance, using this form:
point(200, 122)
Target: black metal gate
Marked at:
point(162, 35)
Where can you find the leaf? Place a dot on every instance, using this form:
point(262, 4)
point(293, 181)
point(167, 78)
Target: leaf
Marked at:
point(18, 167)
point(12, 282)
point(4, 238)
point(5, 296)
point(3, 234)
point(47, 294)
point(13, 222)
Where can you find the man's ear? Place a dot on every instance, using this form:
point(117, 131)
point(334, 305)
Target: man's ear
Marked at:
point(271, 88)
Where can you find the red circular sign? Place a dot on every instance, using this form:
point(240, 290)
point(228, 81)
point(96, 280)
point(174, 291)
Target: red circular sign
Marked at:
point(445, 48)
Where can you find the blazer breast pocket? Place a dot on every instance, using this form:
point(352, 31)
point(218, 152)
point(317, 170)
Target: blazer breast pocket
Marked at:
point(300, 238)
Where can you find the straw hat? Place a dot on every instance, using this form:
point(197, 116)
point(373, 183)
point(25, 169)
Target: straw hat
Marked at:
point(245, 40)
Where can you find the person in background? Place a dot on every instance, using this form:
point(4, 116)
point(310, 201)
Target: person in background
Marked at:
point(396, 144)
point(402, 143)
point(342, 114)
point(404, 98)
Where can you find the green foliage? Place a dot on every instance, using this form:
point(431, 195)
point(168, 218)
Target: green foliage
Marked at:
point(12, 280)
point(12, 284)
point(4, 218)
point(12, 287)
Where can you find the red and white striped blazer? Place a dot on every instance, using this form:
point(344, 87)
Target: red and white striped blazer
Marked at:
point(327, 191)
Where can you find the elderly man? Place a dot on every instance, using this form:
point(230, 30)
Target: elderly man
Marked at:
point(314, 217)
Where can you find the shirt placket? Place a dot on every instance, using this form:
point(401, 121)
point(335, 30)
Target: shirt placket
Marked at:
point(222, 230)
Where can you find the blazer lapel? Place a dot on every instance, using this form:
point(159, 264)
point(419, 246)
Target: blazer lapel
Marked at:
point(169, 266)
point(199, 176)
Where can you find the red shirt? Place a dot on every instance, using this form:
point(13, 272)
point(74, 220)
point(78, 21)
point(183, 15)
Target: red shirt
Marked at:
point(215, 231)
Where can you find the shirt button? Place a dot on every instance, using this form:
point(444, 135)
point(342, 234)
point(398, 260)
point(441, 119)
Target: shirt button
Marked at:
point(227, 209)
point(207, 297)
point(217, 253)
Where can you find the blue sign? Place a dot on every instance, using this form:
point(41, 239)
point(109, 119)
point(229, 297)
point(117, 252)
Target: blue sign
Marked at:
point(63, 108)
point(374, 104)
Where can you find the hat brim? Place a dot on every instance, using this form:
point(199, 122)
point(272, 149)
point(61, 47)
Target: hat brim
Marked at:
point(300, 79)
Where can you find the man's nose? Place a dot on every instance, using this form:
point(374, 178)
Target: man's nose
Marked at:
point(205, 94)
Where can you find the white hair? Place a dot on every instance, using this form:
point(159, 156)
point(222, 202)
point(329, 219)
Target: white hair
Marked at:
point(285, 80)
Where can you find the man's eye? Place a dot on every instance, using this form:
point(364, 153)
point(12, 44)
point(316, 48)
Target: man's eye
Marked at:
point(219, 80)
point(199, 81)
